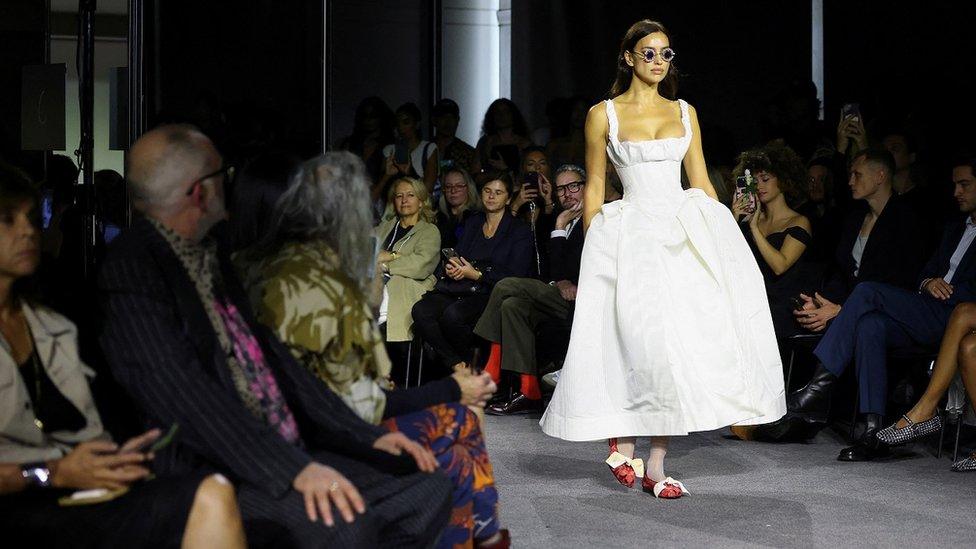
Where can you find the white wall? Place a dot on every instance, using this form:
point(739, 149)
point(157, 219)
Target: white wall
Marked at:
point(109, 53)
point(469, 60)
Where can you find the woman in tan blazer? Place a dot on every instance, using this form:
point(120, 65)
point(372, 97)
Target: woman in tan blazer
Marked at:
point(409, 252)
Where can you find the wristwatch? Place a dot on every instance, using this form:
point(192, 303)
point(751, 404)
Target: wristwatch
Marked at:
point(36, 474)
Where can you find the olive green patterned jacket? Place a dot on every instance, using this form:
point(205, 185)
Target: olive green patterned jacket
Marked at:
point(323, 318)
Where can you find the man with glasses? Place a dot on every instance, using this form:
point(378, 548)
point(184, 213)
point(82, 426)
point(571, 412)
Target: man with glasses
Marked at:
point(181, 339)
point(518, 306)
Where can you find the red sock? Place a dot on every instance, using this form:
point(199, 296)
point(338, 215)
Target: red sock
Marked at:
point(494, 365)
point(530, 387)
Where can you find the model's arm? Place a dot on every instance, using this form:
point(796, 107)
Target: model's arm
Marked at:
point(695, 159)
point(596, 131)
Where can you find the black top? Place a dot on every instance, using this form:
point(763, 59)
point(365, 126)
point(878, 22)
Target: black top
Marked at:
point(395, 235)
point(893, 254)
point(405, 401)
point(565, 254)
point(51, 408)
point(781, 288)
point(451, 227)
point(508, 253)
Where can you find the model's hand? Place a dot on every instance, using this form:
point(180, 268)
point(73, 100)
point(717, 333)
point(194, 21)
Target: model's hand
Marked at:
point(322, 487)
point(475, 389)
point(99, 464)
point(397, 443)
point(567, 290)
point(939, 289)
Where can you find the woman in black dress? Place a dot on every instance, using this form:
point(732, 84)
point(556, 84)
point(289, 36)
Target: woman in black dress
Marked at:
point(777, 234)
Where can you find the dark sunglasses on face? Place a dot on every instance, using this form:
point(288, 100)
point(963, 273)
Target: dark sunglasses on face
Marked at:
point(569, 187)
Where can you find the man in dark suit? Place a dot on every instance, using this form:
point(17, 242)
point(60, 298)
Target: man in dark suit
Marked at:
point(519, 305)
point(181, 339)
point(878, 316)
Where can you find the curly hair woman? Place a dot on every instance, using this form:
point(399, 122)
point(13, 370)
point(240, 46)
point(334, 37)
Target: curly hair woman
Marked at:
point(777, 234)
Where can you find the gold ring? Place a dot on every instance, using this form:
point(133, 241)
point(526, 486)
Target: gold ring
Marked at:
point(335, 486)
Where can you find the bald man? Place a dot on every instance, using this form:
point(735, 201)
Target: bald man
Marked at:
point(180, 337)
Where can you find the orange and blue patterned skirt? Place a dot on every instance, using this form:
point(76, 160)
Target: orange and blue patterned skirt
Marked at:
point(453, 434)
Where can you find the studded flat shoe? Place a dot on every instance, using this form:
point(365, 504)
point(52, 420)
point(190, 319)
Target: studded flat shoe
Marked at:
point(965, 464)
point(893, 436)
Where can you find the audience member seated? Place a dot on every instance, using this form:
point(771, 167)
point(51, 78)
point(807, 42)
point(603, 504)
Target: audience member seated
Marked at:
point(820, 207)
point(305, 273)
point(877, 317)
point(255, 190)
point(459, 200)
point(880, 242)
point(372, 131)
point(909, 184)
point(53, 442)
point(180, 337)
point(494, 245)
point(571, 147)
point(421, 155)
point(504, 135)
point(409, 253)
point(110, 204)
point(957, 354)
point(453, 153)
point(776, 233)
point(518, 305)
point(534, 201)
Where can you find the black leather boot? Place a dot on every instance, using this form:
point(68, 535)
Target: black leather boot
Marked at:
point(867, 446)
point(812, 401)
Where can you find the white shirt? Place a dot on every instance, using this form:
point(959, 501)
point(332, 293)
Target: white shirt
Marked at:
point(564, 233)
point(964, 242)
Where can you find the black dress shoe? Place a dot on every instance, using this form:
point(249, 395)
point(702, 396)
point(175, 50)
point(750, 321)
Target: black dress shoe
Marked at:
point(867, 446)
point(520, 404)
point(812, 401)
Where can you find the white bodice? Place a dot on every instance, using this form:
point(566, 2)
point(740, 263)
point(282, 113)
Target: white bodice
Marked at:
point(650, 169)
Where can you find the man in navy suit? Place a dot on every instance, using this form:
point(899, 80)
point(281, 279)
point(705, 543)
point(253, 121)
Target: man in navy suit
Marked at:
point(518, 305)
point(877, 317)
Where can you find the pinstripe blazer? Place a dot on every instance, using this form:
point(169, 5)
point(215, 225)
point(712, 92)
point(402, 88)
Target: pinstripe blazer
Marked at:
point(164, 352)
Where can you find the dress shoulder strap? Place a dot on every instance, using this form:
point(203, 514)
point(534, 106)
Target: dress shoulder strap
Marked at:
point(612, 119)
point(685, 119)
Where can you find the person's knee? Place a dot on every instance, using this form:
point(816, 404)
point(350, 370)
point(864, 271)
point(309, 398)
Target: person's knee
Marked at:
point(964, 313)
point(967, 348)
point(506, 287)
point(421, 311)
point(216, 496)
point(454, 316)
point(513, 306)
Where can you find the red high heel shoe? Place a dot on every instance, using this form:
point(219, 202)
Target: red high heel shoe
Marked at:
point(624, 469)
point(665, 489)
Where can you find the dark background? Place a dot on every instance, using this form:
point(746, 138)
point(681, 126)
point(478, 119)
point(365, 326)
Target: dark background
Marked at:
point(251, 72)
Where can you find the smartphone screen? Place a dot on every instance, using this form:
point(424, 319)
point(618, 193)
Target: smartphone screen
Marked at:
point(850, 110)
point(401, 153)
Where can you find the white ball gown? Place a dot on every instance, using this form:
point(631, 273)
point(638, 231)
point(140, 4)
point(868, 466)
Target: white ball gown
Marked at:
point(672, 331)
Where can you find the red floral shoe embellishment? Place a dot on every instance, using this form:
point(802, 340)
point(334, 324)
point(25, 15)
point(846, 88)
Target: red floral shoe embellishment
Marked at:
point(665, 489)
point(624, 469)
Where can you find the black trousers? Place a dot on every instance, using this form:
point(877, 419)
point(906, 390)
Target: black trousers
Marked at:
point(446, 323)
point(401, 511)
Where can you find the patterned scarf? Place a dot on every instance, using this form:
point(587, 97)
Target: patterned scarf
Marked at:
point(253, 380)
